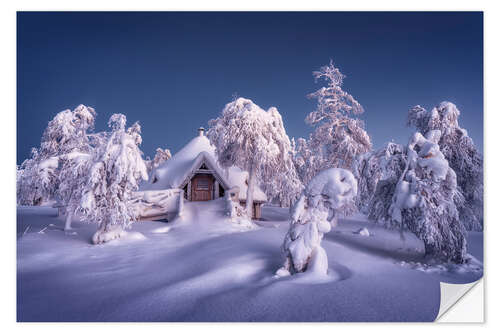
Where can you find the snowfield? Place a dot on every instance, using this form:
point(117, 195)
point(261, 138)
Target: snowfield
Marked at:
point(203, 268)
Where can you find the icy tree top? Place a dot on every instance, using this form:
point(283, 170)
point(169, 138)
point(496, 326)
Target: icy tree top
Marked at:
point(333, 102)
point(67, 131)
point(335, 186)
point(443, 117)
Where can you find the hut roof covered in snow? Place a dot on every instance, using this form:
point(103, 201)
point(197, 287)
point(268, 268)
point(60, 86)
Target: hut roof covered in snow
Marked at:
point(174, 172)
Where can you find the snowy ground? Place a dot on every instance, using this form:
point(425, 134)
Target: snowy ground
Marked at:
point(201, 269)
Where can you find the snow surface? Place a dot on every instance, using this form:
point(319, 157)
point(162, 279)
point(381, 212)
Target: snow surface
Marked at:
point(203, 268)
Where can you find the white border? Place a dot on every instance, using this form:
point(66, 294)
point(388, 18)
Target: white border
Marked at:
point(8, 138)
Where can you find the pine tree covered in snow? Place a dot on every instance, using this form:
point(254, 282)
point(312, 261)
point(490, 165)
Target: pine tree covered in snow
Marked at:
point(65, 135)
point(338, 137)
point(463, 157)
point(312, 216)
point(254, 140)
point(116, 168)
point(426, 200)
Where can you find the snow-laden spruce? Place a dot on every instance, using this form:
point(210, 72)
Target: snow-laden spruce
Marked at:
point(116, 169)
point(64, 138)
point(312, 216)
point(255, 140)
point(338, 137)
point(417, 191)
point(460, 152)
point(426, 199)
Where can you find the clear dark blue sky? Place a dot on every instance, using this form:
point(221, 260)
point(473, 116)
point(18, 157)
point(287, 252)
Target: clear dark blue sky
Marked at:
point(175, 71)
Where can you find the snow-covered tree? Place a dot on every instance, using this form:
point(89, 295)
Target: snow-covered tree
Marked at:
point(417, 191)
point(36, 180)
point(384, 166)
point(252, 139)
point(306, 160)
point(116, 168)
point(283, 184)
point(461, 153)
point(338, 136)
point(65, 134)
point(426, 200)
point(161, 156)
point(312, 216)
point(72, 180)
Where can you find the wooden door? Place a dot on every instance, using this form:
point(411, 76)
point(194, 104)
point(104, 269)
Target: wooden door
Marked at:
point(202, 187)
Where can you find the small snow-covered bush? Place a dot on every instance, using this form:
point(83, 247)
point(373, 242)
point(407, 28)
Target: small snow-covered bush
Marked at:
point(236, 212)
point(312, 216)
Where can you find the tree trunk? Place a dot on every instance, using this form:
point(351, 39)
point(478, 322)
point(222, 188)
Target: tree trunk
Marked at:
point(69, 217)
point(251, 185)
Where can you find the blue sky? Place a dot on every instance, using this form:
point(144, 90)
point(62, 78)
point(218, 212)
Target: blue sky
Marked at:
point(175, 71)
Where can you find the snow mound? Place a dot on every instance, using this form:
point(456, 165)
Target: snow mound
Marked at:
point(161, 230)
point(133, 236)
point(363, 232)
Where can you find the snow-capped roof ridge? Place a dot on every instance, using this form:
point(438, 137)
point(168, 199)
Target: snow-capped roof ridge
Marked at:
point(171, 173)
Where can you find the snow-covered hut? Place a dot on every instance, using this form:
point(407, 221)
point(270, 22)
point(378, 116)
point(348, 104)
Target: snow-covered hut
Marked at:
point(195, 171)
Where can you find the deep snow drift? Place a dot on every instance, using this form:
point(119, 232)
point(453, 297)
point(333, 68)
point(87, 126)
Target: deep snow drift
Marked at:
point(202, 268)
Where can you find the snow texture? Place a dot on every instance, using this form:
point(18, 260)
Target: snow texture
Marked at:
point(201, 270)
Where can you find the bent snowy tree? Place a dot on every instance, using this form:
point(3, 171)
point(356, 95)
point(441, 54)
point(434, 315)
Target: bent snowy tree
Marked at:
point(116, 169)
point(426, 198)
point(253, 140)
point(461, 153)
point(312, 216)
point(377, 173)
